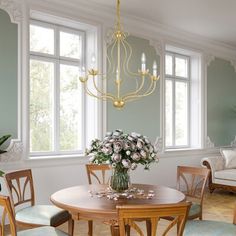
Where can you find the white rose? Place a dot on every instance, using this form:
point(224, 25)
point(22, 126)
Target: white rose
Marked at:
point(91, 159)
point(128, 153)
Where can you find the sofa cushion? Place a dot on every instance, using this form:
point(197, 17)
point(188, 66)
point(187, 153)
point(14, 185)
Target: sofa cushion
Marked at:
point(230, 158)
point(228, 174)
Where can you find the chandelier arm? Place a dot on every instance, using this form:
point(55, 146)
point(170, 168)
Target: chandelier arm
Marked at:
point(111, 58)
point(137, 90)
point(149, 91)
point(125, 60)
point(131, 98)
point(103, 97)
point(100, 91)
point(126, 44)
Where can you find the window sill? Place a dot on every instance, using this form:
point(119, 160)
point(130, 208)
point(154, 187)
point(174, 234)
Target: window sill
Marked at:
point(43, 161)
point(170, 153)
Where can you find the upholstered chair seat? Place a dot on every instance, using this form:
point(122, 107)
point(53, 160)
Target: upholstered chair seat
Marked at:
point(42, 231)
point(42, 215)
point(26, 212)
point(194, 209)
point(6, 207)
point(209, 228)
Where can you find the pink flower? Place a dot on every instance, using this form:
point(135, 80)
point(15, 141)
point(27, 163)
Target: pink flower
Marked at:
point(133, 166)
point(143, 154)
point(116, 157)
point(126, 163)
point(117, 146)
point(136, 156)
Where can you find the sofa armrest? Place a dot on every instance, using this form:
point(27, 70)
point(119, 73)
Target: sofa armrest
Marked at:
point(213, 163)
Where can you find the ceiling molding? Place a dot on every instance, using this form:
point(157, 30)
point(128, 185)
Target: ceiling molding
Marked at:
point(13, 9)
point(233, 63)
point(92, 12)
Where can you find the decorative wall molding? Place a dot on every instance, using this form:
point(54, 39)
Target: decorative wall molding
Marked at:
point(14, 152)
point(158, 46)
point(209, 143)
point(13, 9)
point(159, 144)
point(208, 59)
point(233, 63)
point(233, 143)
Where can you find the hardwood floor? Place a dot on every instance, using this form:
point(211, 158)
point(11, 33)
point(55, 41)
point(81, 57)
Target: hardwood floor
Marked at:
point(217, 206)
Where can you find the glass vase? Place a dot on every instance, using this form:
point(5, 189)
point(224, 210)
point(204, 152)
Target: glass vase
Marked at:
point(120, 180)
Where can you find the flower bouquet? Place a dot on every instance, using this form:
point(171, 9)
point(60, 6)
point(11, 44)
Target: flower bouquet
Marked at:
point(123, 152)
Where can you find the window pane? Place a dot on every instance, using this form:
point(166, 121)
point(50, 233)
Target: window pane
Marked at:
point(181, 67)
point(70, 45)
point(41, 39)
point(70, 109)
point(181, 115)
point(41, 105)
point(169, 65)
point(169, 113)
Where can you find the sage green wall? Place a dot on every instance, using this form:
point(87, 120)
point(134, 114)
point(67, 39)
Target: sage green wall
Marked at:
point(221, 102)
point(142, 115)
point(8, 75)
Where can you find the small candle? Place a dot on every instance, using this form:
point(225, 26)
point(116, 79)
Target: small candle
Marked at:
point(143, 62)
point(154, 68)
point(93, 60)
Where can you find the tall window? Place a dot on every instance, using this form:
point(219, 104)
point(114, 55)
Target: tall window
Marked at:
point(177, 83)
point(183, 99)
point(57, 102)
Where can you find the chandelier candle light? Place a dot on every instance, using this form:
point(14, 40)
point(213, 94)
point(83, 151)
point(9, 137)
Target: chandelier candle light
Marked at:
point(119, 53)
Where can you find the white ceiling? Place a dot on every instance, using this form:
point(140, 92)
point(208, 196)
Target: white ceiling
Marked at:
point(212, 19)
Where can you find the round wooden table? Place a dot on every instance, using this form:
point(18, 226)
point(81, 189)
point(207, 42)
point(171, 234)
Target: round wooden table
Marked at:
point(84, 202)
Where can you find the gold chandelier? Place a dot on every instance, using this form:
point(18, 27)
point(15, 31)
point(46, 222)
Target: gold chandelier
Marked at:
point(119, 53)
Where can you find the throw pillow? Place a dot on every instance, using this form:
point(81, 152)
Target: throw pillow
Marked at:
point(230, 158)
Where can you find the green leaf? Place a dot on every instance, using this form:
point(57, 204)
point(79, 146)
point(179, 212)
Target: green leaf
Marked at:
point(1, 173)
point(4, 138)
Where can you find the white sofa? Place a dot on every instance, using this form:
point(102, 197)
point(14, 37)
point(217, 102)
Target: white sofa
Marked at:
point(223, 170)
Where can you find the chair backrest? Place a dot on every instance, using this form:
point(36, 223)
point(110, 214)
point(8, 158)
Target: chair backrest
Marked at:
point(98, 173)
point(7, 212)
point(20, 186)
point(192, 181)
point(234, 219)
point(127, 214)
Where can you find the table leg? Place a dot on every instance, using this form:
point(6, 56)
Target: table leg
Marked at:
point(71, 227)
point(115, 230)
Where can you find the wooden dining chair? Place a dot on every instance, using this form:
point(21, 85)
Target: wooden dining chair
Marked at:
point(127, 215)
point(27, 214)
point(97, 174)
point(210, 227)
point(8, 214)
point(192, 181)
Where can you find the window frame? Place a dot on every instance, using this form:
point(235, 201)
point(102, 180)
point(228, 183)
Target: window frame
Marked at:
point(174, 78)
point(60, 60)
